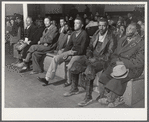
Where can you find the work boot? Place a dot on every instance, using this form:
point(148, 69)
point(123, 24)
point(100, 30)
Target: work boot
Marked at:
point(74, 86)
point(85, 102)
point(102, 91)
point(88, 97)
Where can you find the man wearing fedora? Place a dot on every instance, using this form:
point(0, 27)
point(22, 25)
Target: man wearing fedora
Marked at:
point(127, 62)
point(100, 48)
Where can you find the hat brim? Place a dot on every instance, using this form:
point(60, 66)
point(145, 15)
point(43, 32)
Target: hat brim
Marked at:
point(122, 76)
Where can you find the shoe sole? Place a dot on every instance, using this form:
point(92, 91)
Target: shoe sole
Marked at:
point(82, 105)
point(34, 73)
point(71, 94)
point(45, 84)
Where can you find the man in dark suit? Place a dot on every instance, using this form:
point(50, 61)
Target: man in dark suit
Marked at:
point(34, 37)
point(28, 38)
point(46, 43)
point(101, 47)
point(130, 54)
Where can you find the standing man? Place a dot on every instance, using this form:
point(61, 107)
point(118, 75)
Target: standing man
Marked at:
point(76, 47)
point(126, 63)
point(98, 53)
point(46, 43)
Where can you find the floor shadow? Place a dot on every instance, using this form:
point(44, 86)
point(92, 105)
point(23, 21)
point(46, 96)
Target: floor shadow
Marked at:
point(59, 82)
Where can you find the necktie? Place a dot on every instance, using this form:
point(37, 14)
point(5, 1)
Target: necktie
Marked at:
point(46, 30)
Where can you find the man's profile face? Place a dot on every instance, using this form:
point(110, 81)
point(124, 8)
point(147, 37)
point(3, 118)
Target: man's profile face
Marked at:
point(47, 22)
point(131, 30)
point(77, 24)
point(102, 27)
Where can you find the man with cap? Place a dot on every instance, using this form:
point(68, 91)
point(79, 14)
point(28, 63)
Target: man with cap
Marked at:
point(76, 47)
point(127, 62)
point(100, 48)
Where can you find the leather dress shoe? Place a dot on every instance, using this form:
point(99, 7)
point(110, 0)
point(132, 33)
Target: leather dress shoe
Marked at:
point(43, 80)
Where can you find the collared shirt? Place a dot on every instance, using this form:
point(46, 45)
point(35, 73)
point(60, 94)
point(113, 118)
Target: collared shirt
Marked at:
point(61, 30)
point(102, 37)
point(47, 28)
point(78, 32)
point(28, 27)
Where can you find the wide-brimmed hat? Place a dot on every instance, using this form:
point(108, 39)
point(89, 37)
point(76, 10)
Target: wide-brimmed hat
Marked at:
point(119, 72)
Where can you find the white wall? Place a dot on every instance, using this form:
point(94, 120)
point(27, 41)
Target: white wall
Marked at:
point(14, 8)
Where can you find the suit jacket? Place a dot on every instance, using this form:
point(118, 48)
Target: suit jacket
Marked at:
point(30, 32)
point(132, 55)
point(50, 35)
point(62, 41)
point(37, 35)
point(107, 47)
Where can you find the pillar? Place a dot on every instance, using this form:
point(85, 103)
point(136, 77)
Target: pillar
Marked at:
point(25, 13)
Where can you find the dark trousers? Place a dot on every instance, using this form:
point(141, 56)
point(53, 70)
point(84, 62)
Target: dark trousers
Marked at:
point(89, 69)
point(37, 61)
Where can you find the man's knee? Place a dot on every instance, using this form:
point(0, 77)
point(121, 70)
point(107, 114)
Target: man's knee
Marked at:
point(77, 68)
point(34, 54)
point(90, 72)
point(56, 58)
point(33, 48)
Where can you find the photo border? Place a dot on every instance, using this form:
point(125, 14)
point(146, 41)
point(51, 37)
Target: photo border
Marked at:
point(98, 113)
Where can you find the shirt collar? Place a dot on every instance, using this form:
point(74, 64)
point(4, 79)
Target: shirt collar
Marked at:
point(78, 32)
point(102, 37)
point(28, 26)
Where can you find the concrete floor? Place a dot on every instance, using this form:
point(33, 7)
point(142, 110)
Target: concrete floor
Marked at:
point(25, 91)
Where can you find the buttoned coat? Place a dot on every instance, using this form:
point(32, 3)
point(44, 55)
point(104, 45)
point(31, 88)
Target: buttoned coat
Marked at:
point(132, 55)
point(49, 37)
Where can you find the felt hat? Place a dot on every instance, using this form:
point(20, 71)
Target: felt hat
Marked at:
point(119, 72)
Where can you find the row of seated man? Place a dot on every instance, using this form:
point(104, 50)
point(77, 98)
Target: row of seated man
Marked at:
point(119, 59)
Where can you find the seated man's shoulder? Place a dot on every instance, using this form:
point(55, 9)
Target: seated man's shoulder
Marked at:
point(84, 32)
point(54, 27)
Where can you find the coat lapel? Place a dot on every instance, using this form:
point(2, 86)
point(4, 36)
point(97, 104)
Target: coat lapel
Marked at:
point(96, 39)
point(129, 46)
point(105, 42)
point(78, 35)
point(47, 30)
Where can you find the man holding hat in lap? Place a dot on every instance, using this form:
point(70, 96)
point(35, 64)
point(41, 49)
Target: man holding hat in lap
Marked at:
point(127, 62)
